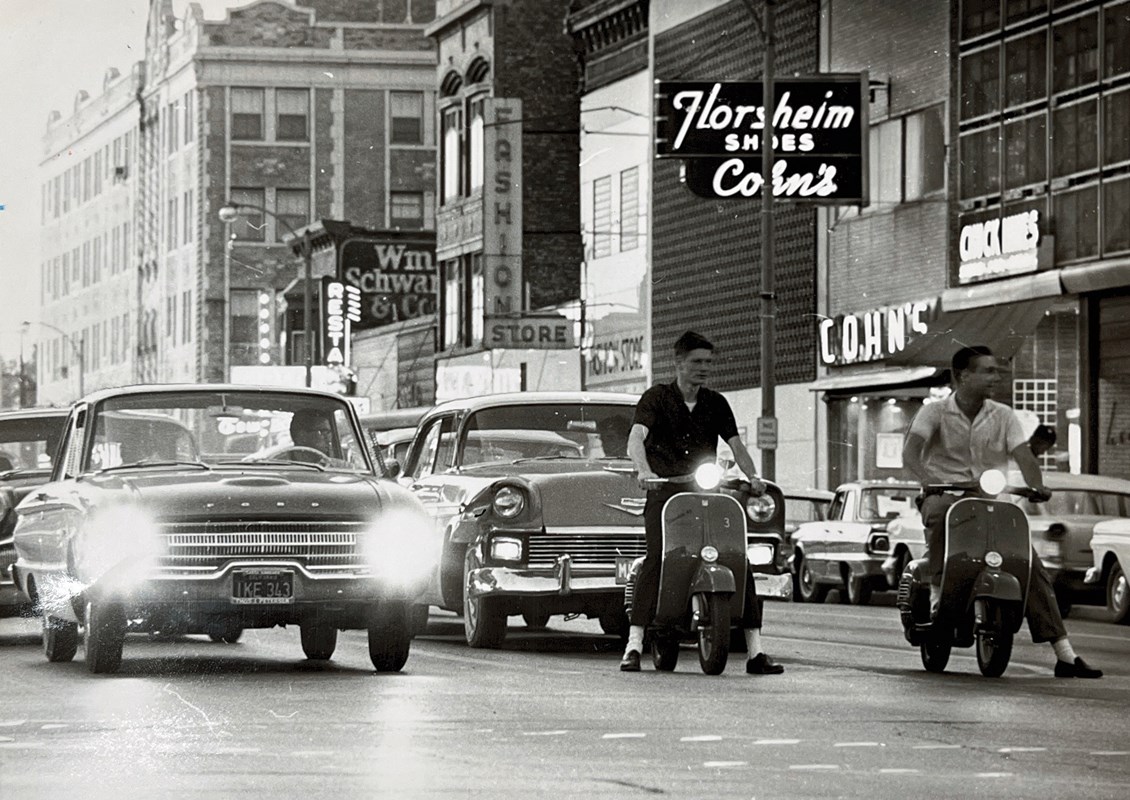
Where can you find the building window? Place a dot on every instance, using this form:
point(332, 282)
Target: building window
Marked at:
point(186, 317)
point(980, 83)
point(1075, 138)
point(171, 230)
point(1076, 52)
point(293, 207)
point(602, 217)
point(924, 153)
point(407, 118)
point(292, 107)
point(406, 209)
point(249, 224)
point(1116, 216)
point(979, 16)
point(1026, 69)
point(453, 295)
point(478, 298)
point(188, 211)
point(886, 173)
point(980, 163)
point(630, 209)
point(1076, 224)
point(451, 153)
point(475, 153)
point(244, 345)
point(1016, 10)
point(247, 114)
point(1025, 146)
point(1116, 128)
point(189, 117)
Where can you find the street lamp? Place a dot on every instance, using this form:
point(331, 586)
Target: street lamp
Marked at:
point(230, 212)
point(77, 349)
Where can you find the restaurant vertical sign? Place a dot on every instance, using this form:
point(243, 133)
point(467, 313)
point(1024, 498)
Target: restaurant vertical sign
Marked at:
point(502, 206)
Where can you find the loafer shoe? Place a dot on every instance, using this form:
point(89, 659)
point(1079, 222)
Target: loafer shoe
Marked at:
point(762, 664)
point(630, 662)
point(1079, 669)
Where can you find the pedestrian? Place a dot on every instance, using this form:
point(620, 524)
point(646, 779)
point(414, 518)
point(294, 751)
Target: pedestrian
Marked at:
point(957, 440)
point(676, 428)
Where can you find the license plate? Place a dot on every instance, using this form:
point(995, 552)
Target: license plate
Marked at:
point(623, 567)
point(262, 587)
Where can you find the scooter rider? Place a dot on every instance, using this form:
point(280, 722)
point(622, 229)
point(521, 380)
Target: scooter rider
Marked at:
point(676, 428)
point(955, 441)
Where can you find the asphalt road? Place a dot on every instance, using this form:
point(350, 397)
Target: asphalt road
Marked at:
point(550, 715)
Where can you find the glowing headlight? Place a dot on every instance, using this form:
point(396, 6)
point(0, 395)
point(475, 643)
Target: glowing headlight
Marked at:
point(993, 481)
point(759, 554)
point(708, 476)
point(761, 509)
point(124, 539)
point(401, 546)
point(509, 502)
point(506, 548)
point(709, 554)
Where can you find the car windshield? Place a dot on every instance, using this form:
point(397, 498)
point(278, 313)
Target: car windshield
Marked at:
point(1079, 502)
point(28, 443)
point(801, 509)
point(560, 430)
point(212, 427)
point(886, 503)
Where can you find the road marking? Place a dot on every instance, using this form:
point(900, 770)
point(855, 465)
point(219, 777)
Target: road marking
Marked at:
point(777, 741)
point(898, 771)
point(623, 736)
point(544, 733)
point(1023, 750)
point(725, 763)
point(6, 739)
point(937, 747)
point(1110, 753)
point(314, 753)
point(859, 744)
point(993, 775)
point(21, 745)
point(50, 726)
point(232, 751)
point(708, 738)
point(12, 723)
point(814, 766)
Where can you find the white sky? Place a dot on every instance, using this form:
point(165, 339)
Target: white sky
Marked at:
point(49, 50)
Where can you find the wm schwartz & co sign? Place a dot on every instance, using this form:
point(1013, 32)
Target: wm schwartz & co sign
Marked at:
point(820, 131)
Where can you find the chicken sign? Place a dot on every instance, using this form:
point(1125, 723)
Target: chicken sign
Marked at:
point(820, 130)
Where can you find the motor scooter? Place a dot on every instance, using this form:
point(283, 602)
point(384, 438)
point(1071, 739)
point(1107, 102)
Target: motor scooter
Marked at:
point(985, 578)
point(702, 573)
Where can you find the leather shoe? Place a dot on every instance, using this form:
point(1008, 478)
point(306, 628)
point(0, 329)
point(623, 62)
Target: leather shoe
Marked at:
point(1080, 669)
point(762, 664)
point(630, 662)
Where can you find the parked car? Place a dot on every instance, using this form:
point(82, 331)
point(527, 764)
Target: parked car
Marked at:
point(392, 431)
point(538, 506)
point(805, 505)
point(150, 523)
point(1061, 532)
point(1110, 544)
point(846, 551)
point(29, 439)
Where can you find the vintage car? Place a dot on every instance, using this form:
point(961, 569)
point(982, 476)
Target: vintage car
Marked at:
point(1061, 532)
point(28, 441)
point(804, 505)
point(538, 504)
point(1110, 544)
point(847, 550)
point(151, 524)
point(392, 432)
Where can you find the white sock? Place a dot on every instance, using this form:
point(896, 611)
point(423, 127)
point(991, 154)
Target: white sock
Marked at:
point(1063, 650)
point(752, 641)
point(635, 639)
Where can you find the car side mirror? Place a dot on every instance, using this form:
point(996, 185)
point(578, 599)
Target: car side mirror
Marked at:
point(392, 468)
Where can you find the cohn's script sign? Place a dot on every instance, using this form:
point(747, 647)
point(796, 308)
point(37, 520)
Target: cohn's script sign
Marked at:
point(396, 274)
point(820, 130)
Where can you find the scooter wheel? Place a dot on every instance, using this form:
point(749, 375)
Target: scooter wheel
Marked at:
point(993, 652)
point(935, 656)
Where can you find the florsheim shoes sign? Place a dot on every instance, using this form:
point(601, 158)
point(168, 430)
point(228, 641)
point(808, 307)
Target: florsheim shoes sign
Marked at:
point(820, 131)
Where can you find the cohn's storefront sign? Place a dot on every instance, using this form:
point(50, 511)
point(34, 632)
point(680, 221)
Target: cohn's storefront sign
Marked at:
point(820, 130)
point(998, 247)
point(873, 335)
point(397, 277)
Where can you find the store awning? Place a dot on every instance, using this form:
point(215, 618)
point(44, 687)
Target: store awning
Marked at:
point(1004, 328)
point(1010, 290)
point(894, 376)
point(1096, 277)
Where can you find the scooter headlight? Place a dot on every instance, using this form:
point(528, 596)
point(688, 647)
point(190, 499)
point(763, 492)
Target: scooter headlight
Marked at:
point(761, 509)
point(992, 482)
point(708, 476)
point(993, 559)
point(709, 554)
point(509, 502)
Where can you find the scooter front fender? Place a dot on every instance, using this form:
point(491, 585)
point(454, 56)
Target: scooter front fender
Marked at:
point(713, 579)
point(999, 586)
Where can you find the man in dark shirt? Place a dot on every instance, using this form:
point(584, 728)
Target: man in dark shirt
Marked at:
point(676, 428)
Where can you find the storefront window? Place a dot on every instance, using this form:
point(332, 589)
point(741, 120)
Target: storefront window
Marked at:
point(1113, 398)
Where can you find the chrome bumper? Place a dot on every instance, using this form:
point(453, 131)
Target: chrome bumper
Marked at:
point(1093, 575)
point(778, 586)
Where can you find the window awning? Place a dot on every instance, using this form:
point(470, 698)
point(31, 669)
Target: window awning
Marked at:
point(1004, 328)
point(1096, 277)
point(1010, 290)
point(894, 376)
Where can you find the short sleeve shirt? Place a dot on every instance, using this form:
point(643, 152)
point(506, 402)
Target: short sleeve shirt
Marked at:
point(959, 450)
point(679, 439)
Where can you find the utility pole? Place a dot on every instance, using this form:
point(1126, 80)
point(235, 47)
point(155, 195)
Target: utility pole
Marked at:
point(767, 422)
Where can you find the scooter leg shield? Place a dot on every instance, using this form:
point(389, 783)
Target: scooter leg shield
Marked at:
point(713, 579)
point(998, 585)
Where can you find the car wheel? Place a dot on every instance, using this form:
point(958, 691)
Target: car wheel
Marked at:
point(229, 634)
point(105, 636)
point(390, 637)
point(318, 641)
point(616, 623)
point(857, 590)
point(60, 638)
point(1118, 595)
point(484, 622)
point(535, 620)
point(809, 590)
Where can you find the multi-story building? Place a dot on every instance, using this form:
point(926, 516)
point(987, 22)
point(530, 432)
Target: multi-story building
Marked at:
point(508, 236)
point(88, 276)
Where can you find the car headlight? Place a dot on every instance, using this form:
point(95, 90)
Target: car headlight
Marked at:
point(123, 539)
point(506, 548)
point(509, 502)
point(761, 509)
point(760, 554)
point(879, 543)
point(401, 546)
point(708, 476)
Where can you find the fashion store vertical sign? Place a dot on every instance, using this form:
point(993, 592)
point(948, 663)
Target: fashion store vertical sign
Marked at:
point(502, 206)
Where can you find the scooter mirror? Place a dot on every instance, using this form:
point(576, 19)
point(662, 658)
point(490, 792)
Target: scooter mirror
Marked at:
point(993, 481)
point(708, 476)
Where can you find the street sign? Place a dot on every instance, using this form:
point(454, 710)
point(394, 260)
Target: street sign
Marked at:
point(766, 433)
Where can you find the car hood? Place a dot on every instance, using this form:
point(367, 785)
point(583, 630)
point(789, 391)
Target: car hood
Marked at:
point(249, 493)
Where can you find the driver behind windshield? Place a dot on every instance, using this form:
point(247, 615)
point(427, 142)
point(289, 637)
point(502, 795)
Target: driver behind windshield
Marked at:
point(955, 441)
point(311, 429)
